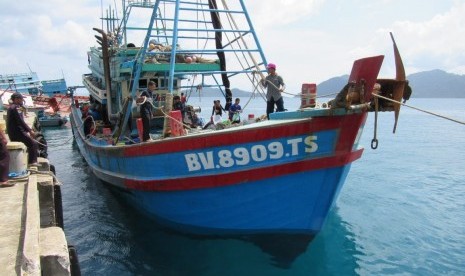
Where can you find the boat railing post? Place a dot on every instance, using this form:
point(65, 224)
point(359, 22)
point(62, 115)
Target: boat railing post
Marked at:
point(173, 47)
point(137, 69)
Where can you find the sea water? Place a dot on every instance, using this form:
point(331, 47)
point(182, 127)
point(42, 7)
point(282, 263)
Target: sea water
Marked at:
point(401, 210)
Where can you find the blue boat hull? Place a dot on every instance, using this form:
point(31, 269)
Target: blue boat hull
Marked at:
point(299, 204)
point(189, 186)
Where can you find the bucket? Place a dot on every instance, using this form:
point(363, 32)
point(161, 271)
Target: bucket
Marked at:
point(250, 119)
point(176, 126)
point(308, 96)
point(18, 159)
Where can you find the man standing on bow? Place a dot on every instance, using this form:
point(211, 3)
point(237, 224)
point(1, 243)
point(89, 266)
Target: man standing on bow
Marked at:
point(146, 109)
point(275, 85)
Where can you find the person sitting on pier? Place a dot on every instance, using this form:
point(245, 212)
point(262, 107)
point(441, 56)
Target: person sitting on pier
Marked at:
point(18, 130)
point(4, 160)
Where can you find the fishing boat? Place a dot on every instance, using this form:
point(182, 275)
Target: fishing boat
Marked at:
point(25, 83)
point(276, 175)
point(51, 119)
point(54, 95)
point(47, 117)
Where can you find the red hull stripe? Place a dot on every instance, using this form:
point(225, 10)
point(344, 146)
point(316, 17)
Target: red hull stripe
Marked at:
point(242, 176)
point(348, 123)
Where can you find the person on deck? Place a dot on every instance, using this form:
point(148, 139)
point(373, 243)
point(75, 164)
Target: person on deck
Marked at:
point(146, 109)
point(183, 100)
point(217, 113)
point(217, 108)
point(275, 85)
point(233, 110)
point(18, 130)
point(177, 105)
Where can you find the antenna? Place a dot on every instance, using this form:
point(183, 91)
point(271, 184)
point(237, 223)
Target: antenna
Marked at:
point(101, 10)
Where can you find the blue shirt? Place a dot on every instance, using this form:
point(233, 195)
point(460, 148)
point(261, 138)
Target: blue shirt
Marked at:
point(233, 109)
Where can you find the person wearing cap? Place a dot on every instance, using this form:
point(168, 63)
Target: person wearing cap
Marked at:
point(146, 109)
point(18, 130)
point(275, 85)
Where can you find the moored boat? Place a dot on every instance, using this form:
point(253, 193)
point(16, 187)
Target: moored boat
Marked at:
point(280, 175)
point(51, 119)
point(56, 96)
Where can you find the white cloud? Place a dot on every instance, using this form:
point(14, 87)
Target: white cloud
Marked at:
point(50, 37)
point(435, 43)
point(318, 51)
point(310, 41)
point(272, 13)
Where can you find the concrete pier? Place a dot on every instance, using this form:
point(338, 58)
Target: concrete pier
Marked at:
point(32, 240)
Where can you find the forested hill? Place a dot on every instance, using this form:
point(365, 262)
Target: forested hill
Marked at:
point(428, 84)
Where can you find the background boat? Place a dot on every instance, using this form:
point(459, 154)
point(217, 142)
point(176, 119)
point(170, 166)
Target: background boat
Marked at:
point(26, 83)
point(50, 95)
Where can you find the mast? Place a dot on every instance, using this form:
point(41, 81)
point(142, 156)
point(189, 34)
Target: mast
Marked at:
point(204, 29)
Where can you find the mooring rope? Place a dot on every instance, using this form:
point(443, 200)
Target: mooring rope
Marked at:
point(302, 95)
point(56, 181)
point(374, 141)
point(419, 109)
point(70, 138)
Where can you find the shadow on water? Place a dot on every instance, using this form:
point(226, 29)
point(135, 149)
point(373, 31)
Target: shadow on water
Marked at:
point(282, 248)
point(334, 251)
point(163, 249)
point(112, 237)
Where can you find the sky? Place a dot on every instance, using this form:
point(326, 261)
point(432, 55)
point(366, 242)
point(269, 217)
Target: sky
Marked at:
point(308, 40)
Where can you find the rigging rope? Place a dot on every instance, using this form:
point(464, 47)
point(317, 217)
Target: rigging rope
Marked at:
point(233, 25)
point(69, 139)
point(374, 141)
point(422, 110)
